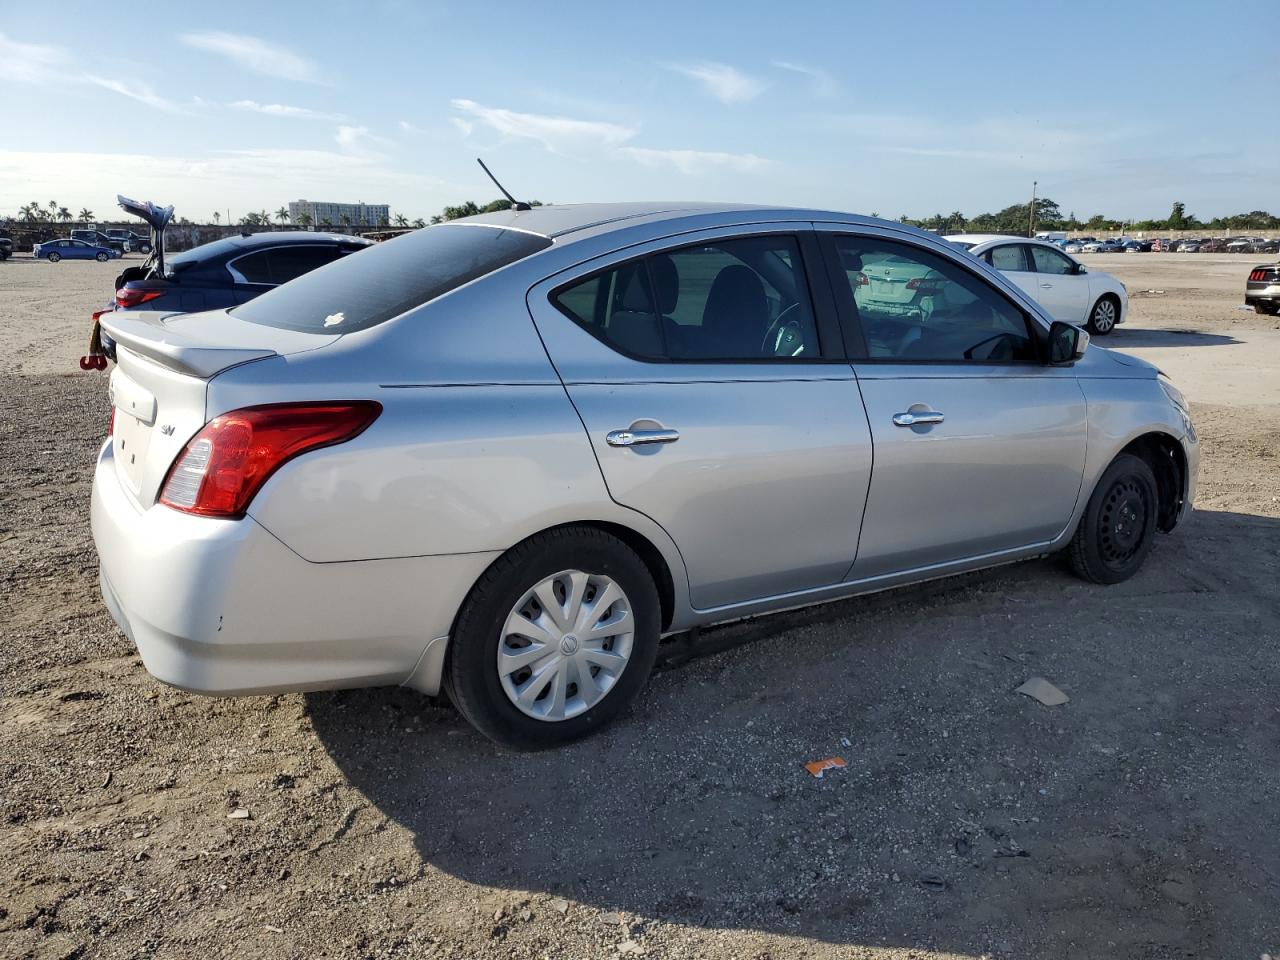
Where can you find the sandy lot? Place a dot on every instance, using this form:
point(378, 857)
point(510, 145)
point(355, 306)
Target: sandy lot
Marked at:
point(1138, 820)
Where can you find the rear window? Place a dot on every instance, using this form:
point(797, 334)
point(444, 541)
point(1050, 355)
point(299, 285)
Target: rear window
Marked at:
point(384, 281)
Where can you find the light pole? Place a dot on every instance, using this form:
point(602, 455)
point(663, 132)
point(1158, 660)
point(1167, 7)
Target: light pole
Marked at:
point(1031, 212)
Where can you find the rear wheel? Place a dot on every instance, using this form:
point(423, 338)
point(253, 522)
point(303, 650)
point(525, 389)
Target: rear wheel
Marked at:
point(102, 258)
point(1118, 528)
point(555, 640)
point(54, 257)
point(1105, 313)
point(1267, 309)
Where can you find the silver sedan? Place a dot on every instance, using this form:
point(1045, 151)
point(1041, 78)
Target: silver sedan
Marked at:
point(504, 456)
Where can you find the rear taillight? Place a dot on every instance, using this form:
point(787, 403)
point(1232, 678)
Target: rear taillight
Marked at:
point(860, 279)
point(223, 466)
point(129, 297)
point(926, 284)
point(1258, 275)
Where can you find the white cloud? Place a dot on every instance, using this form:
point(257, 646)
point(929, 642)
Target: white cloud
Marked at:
point(283, 110)
point(697, 161)
point(727, 84)
point(557, 134)
point(140, 92)
point(29, 62)
point(824, 85)
point(407, 127)
point(256, 54)
point(359, 139)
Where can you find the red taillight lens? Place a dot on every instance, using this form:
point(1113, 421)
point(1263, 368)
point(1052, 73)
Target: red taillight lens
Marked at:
point(1258, 275)
point(926, 284)
point(860, 279)
point(131, 297)
point(223, 466)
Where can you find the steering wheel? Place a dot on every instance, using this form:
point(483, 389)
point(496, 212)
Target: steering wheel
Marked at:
point(782, 335)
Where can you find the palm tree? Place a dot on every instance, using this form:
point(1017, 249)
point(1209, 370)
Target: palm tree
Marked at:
point(401, 220)
point(53, 209)
point(264, 218)
point(64, 215)
point(304, 220)
point(326, 222)
point(282, 215)
point(419, 223)
point(217, 218)
point(85, 215)
point(345, 220)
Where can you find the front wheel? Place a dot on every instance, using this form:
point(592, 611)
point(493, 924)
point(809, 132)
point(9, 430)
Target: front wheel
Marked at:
point(1105, 314)
point(102, 258)
point(54, 257)
point(1118, 528)
point(555, 640)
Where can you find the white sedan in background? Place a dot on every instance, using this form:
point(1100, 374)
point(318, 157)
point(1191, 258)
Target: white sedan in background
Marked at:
point(1060, 284)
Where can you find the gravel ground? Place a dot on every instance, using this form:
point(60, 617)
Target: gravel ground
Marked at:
point(1138, 820)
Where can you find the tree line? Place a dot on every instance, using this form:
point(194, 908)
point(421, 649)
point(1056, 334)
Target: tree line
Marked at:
point(1017, 219)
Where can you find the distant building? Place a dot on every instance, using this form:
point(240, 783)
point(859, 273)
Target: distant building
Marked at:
point(357, 214)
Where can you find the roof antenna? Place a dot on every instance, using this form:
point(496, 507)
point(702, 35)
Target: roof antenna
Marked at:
point(515, 204)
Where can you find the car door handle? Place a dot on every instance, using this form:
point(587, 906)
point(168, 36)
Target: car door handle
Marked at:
point(1046, 286)
point(915, 419)
point(632, 438)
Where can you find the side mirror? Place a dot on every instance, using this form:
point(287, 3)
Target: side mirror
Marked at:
point(1080, 269)
point(1067, 343)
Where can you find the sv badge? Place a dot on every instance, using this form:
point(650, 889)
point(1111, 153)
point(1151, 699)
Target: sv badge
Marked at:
point(167, 429)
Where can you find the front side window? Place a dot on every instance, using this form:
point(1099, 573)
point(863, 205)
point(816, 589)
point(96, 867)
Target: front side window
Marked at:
point(1051, 261)
point(742, 299)
point(913, 305)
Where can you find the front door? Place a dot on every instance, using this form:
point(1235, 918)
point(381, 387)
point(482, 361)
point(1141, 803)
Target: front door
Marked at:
point(718, 403)
point(1066, 289)
point(979, 447)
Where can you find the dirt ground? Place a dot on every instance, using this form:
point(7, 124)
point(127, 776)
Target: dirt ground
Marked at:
point(1140, 819)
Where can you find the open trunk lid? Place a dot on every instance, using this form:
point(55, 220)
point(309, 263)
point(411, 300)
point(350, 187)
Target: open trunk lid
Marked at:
point(159, 387)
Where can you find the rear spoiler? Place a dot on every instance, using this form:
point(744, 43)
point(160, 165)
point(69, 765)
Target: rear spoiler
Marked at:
point(143, 332)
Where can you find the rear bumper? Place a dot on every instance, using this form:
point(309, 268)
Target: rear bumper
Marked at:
point(223, 607)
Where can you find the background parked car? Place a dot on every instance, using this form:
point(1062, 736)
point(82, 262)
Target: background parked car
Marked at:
point(68, 249)
point(1162, 245)
point(133, 242)
point(1063, 286)
point(1262, 289)
point(1103, 246)
point(1189, 246)
point(6, 248)
point(229, 271)
point(98, 238)
point(1136, 246)
point(1212, 246)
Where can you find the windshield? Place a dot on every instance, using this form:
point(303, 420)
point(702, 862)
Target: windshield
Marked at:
point(384, 281)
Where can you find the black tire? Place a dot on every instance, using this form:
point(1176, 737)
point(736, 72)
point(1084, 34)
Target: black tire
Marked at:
point(54, 257)
point(471, 675)
point(1118, 528)
point(1104, 316)
point(102, 257)
point(1267, 309)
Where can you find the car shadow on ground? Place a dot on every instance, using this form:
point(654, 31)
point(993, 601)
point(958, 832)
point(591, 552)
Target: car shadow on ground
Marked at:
point(1122, 337)
point(969, 818)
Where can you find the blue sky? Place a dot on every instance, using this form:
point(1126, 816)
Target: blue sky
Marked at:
point(904, 108)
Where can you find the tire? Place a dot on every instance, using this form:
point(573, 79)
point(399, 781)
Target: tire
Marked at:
point(486, 694)
point(102, 257)
point(54, 257)
point(1267, 309)
point(1104, 315)
point(1118, 528)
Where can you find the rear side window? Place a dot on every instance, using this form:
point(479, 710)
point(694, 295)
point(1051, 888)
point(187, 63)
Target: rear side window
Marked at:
point(741, 299)
point(282, 264)
point(384, 281)
point(1008, 257)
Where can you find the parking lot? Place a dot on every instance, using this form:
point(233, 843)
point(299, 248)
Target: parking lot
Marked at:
point(1140, 819)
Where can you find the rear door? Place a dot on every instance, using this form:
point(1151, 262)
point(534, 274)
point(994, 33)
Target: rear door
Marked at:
point(1013, 261)
point(979, 448)
point(709, 375)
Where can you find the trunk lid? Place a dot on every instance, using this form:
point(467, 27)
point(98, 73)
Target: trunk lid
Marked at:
point(159, 388)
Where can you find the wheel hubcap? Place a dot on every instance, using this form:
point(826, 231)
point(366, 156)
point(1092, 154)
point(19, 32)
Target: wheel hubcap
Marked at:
point(1104, 315)
point(1123, 521)
point(565, 644)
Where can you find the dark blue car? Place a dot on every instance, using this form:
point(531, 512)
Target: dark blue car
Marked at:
point(230, 271)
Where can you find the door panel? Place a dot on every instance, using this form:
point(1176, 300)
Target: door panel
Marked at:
point(762, 493)
point(719, 345)
point(1065, 294)
point(1002, 470)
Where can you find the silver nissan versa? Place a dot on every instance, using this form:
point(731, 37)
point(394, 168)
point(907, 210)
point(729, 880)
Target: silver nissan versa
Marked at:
point(503, 456)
